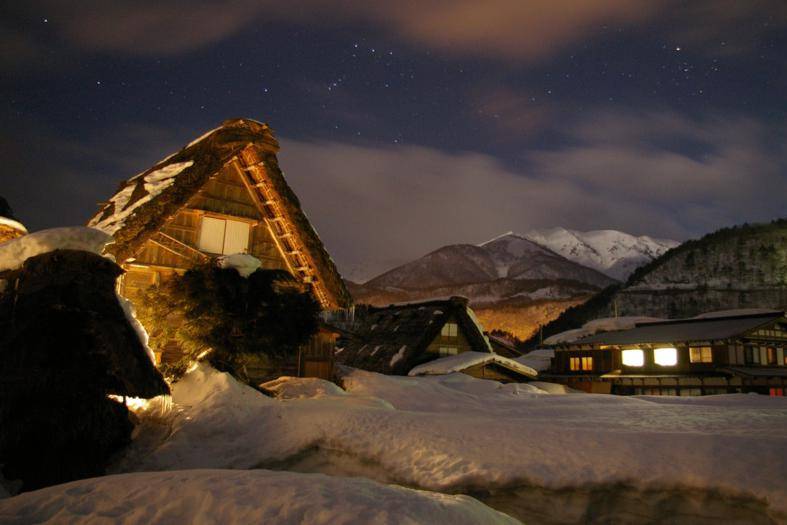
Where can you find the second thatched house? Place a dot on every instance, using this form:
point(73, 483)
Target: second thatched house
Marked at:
point(398, 338)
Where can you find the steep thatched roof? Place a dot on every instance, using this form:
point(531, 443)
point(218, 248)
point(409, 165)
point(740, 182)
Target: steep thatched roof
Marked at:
point(392, 340)
point(143, 203)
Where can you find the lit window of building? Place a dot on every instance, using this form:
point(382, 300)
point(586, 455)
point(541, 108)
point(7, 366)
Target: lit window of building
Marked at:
point(223, 236)
point(665, 356)
point(449, 330)
point(584, 364)
point(700, 354)
point(635, 357)
point(448, 350)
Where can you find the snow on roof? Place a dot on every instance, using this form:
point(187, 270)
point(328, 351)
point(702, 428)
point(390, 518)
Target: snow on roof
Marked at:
point(465, 360)
point(15, 252)
point(11, 223)
point(244, 263)
point(734, 313)
point(397, 357)
point(685, 330)
point(154, 183)
point(539, 359)
point(606, 324)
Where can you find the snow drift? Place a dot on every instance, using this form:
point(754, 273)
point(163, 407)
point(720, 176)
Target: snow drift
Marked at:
point(255, 496)
point(445, 433)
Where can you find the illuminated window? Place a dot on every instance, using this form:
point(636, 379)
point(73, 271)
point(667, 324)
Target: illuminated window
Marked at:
point(448, 350)
point(700, 354)
point(634, 357)
point(665, 356)
point(449, 330)
point(771, 355)
point(223, 236)
point(584, 364)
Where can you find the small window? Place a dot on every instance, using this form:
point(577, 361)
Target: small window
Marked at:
point(584, 364)
point(771, 351)
point(224, 237)
point(449, 330)
point(587, 363)
point(633, 357)
point(700, 354)
point(448, 350)
point(665, 356)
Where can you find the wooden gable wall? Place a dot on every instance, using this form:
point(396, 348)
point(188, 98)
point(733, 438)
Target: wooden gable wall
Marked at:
point(175, 247)
point(460, 341)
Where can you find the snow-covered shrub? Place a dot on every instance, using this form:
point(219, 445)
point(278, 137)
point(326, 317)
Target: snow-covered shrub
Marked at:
point(237, 323)
point(65, 346)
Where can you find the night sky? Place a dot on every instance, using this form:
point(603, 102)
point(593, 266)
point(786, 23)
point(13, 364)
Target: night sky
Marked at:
point(409, 125)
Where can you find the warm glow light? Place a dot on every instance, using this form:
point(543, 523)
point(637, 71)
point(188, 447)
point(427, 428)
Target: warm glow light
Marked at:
point(633, 357)
point(133, 403)
point(156, 406)
point(665, 356)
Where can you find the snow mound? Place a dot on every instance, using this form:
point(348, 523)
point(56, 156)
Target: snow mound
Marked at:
point(606, 324)
point(287, 387)
point(244, 263)
point(254, 496)
point(539, 359)
point(459, 362)
point(15, 252)
point(444, 433)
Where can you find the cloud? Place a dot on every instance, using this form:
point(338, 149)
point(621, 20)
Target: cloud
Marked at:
point(508, 30)
point(513, 113)
point(377, 207)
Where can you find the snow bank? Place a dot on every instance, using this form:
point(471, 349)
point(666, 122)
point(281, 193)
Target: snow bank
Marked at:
point(287, 387)
point(154, 183)
point(255, 496)
point(539, 359)
point(456, 433)
point(459, 362)
point(5, 221)
point(15, 252)
point(606, 324)
point(244, 263)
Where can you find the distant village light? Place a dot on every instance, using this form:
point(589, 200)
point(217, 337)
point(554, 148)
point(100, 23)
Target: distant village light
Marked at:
point(665, 356)
point(635, 357)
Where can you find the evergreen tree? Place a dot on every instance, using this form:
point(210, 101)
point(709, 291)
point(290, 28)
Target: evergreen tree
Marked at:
point(232, 320)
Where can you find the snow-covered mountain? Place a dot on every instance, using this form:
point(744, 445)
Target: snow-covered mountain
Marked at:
point(513, 283)
point(615, 253)
point(506, 257)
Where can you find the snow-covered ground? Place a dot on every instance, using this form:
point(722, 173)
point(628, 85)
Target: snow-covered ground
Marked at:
point(459, 434)
point(242, 497)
